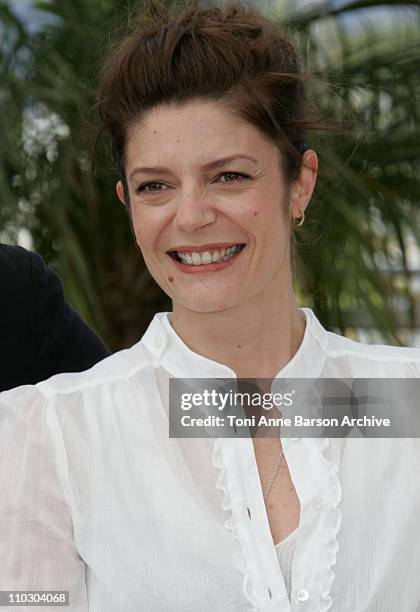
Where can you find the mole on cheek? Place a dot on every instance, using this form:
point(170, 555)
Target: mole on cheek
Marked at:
point(255, 213)
point(171, 279)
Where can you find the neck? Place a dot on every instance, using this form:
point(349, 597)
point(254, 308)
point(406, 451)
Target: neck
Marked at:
point(256, 339)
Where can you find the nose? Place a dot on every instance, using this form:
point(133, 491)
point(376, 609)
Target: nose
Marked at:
point(193, 212)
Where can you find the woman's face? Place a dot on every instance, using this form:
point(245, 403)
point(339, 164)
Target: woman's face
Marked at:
point(210, 208)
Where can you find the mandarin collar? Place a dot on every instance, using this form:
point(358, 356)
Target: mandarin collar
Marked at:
point(170, 351)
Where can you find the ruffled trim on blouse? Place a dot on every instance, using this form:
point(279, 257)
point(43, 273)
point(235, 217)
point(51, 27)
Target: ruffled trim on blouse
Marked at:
point(333, 495)
point(230, 523)
point(323, 544)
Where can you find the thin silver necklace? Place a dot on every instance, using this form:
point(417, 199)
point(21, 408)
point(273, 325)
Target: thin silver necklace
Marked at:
point(273, 477)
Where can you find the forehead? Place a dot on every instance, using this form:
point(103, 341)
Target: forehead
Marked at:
point(196, 130)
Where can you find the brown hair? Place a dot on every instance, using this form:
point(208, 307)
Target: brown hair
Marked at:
point(230, 53)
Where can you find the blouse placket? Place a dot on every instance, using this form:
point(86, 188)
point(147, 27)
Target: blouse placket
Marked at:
point(313, 464)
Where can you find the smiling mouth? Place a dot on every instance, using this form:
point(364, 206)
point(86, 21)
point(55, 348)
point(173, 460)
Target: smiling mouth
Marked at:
point(193, 258)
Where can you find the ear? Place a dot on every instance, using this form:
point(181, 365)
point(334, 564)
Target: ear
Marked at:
point(303, 187)
point(120, 192)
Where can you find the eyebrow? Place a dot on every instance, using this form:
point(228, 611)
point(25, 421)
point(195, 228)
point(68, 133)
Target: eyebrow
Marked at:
point(155, 170)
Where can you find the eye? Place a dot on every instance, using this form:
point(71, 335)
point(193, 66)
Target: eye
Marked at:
point(157, 187)
point(233, 177)
point(151, 187)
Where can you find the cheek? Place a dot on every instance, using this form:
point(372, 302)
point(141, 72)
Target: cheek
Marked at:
point(145, 230)
point(139, 239)
point(265, 206)
point(270, 219)
point(151, 223)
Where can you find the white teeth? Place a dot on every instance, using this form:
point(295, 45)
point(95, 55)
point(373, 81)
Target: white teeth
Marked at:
point(196, 259)
point(207, 257)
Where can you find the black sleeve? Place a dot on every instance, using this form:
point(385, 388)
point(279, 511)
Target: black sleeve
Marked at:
point(65, 342)
point(40, 334)
point(17, 319)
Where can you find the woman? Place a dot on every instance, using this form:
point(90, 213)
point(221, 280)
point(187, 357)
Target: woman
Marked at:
point(205, 109)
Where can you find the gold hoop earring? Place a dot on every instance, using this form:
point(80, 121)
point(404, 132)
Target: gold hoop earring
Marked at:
point(298, 221)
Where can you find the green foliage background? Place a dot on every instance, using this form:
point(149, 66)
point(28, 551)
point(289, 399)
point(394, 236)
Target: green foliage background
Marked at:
point(356, 242)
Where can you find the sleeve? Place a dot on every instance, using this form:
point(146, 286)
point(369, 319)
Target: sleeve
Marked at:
point(65, 342)
point(37, 549)
point(17, 318)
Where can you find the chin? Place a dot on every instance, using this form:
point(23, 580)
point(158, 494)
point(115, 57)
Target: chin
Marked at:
point(205, 305)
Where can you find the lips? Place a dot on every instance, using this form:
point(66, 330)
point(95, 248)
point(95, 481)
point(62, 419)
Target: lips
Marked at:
point(205, 258)
point(202, 247)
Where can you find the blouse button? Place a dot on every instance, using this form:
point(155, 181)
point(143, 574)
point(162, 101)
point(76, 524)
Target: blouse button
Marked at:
point(318, 502)
point(302, 595)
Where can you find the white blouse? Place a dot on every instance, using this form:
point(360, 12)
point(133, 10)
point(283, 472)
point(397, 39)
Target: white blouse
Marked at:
point(98, 500)
point(285, 551)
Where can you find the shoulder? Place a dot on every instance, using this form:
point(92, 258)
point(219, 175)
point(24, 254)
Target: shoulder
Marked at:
point(119, 368)
point(68, 389)
point(23, 412)
point(16, 266)
point(21, 268)
point(338, 345)
point(372, 359)
point(65, 391)
point(12, 258)
point(24, 276)
point(41, 333)
point(18, 317)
